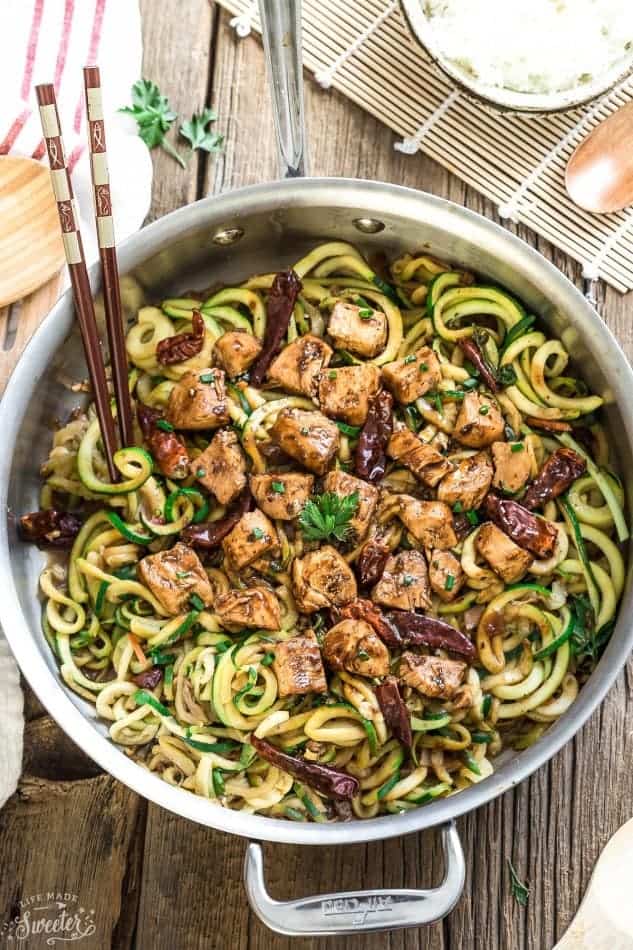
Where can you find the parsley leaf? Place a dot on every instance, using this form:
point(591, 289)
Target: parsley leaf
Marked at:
point(198, 132)
point(520, 891)
point(153, 115)
point(328, 516)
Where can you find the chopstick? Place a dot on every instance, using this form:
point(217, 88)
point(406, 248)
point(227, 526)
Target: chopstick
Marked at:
point(107, 252)
point(73, 247)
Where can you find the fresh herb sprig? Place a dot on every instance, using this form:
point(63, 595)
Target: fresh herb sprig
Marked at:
point(520, 891)
point(328, 516)
point(154, 117)
point(197, 131)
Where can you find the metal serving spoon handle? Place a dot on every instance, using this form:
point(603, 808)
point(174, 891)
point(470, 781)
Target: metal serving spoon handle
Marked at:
point(604, 920)
point(281, 32)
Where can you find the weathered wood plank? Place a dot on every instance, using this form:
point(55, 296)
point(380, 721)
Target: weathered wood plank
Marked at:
point(177, 41)
point(67, 835)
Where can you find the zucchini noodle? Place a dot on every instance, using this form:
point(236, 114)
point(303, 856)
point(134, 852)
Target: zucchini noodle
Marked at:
point(189, 692)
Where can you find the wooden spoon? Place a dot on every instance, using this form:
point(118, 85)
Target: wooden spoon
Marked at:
point(31, 249)
point(604, 920)
point(599, 174)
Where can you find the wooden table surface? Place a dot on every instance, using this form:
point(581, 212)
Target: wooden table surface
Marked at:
point(156, 881)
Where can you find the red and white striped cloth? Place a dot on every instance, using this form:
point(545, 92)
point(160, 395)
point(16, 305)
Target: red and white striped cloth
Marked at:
point(50, 41)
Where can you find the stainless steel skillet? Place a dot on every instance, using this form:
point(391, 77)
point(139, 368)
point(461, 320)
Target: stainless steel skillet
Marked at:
point(259, 229)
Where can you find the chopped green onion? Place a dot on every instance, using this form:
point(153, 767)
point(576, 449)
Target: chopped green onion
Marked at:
point(409, 359)
point(517, 447)
point(407, 580)
point(423, 367)
point(279, 487)
point(332, 374)
point(201, 472)
point(257, 534)
point(472, 516)
point(484, 410)
point(365, 314)
point(449, 583)
point(458, 507)
point(182, 574)
point(207, 377)
point(352, 431)
point(164, 425)
point(196, 602)
point(267, 659)
point(363, 655)
point(218, 782)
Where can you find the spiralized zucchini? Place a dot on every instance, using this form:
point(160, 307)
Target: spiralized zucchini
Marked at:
point(536, 640)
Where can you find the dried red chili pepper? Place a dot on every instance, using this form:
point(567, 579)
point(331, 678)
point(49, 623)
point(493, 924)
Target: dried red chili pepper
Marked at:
point(371, 451)
point(559, 471)
point(182, 346)
point(472, 352)
point(417, 630)
point(168, 449)
point(50, 528)
point(149, 679)
point(394, 710)
point(279, 306)
point(371, 561)
point(329, 782)
point(534, 534)
point(208, 534)
point(368, 611)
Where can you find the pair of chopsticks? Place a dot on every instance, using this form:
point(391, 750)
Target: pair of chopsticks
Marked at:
point(73, 247)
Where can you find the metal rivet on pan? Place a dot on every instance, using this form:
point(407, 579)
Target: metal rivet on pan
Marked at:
point(369, 225)
point(227, 236)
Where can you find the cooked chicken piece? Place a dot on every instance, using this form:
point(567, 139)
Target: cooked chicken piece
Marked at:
point(251, 537)
point(308, 437)
point(221, 468)
point(251, 607)
point(322, 578)
point(404, 584)
point(298, 666)
point(468, 484)
point(361, 330)
point(513, 464)
point(505, 557)
point(353, 645)
point(198, 401)
point(422, 459)
point(282, 496)
point(432, 676)
point(298, 365)
point(445, 574)
point(345, 392)
point(173, 576)
point(430, 522)
point(479, 422)
point(235, 351)
point(413, 376)
point(344, 485)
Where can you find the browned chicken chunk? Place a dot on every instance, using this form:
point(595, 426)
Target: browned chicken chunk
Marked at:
point(251, 607)
point(353, 645)
point(198, 401)
point(513, 464)
point(251, 537)
point(432, 676)
point(298, 666)
point(282, 496)
point(173, 576)
point(362, 330)
point(468, 484)
point(345, 392)
point(298, 365)
point(404, 584)
point(479, 422)
point(422, 459)
point(221, 468)
point(430, 522)
point(505, 557)
point(308, 437)
point(413, 376)
point(344, 485)
point(445, 574)
point(322, 578)
point(235, 351)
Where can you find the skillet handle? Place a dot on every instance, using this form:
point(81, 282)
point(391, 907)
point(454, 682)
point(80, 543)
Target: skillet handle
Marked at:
point(281, 32)
point(357, 911)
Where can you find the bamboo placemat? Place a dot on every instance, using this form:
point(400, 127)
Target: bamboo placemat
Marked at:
point(364, 50)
